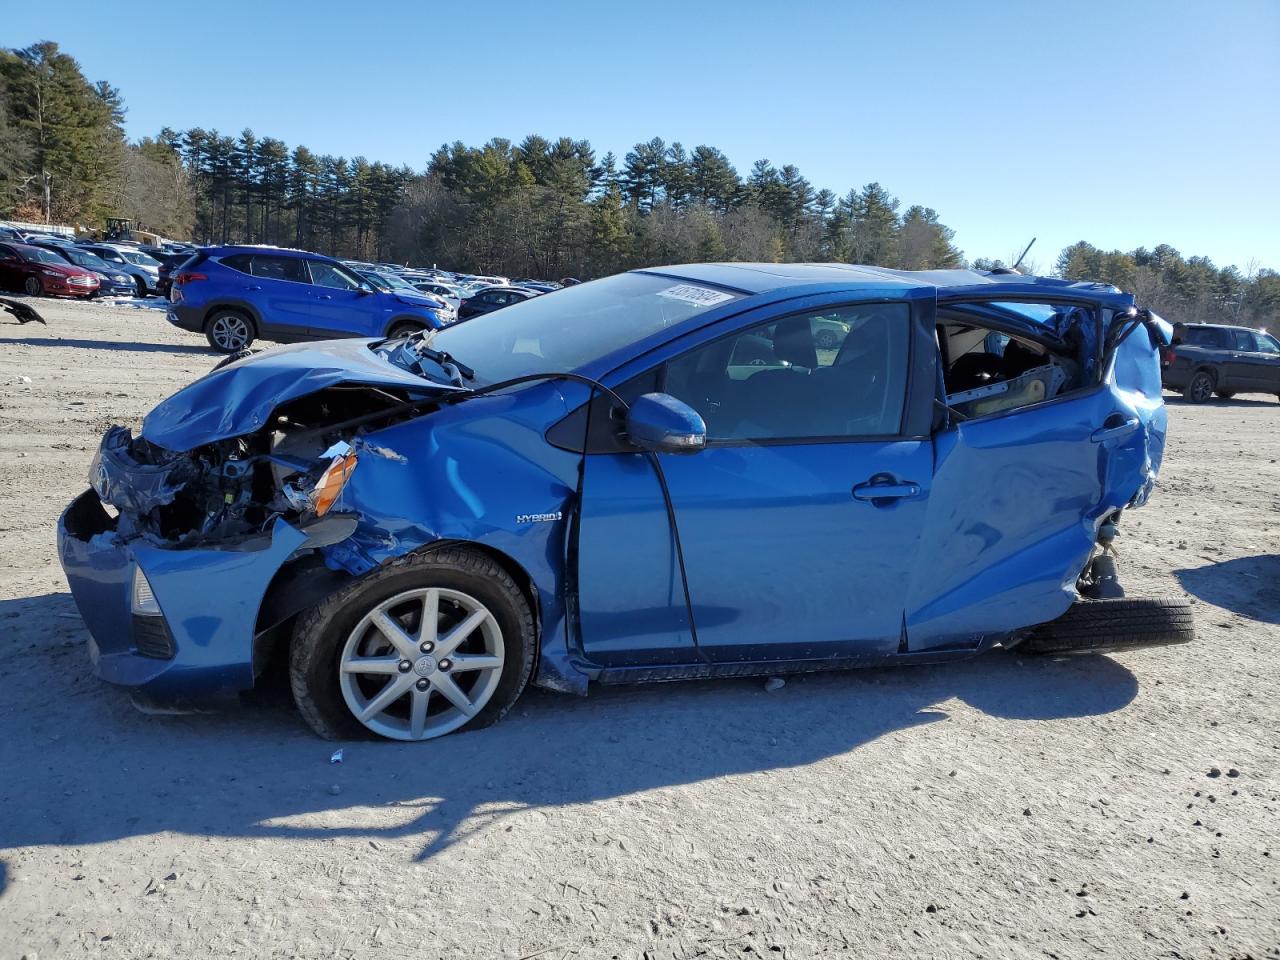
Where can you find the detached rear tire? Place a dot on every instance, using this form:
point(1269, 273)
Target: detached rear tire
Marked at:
point(1109, 626)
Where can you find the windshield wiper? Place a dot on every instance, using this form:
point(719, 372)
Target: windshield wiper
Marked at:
point(456, 369)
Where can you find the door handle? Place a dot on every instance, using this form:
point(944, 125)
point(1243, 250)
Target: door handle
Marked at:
point(324, 296)
point(883, 492)
point(253, 288)
point(1115, 431)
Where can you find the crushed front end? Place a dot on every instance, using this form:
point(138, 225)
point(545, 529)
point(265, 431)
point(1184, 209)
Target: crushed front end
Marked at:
point(173, 556)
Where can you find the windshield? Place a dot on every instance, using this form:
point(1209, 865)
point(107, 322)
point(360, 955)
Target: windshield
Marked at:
point(397, 283)
point(375, 281)
point(44, 256)
point(573, 327)
point(82, 259)
point(141, 259)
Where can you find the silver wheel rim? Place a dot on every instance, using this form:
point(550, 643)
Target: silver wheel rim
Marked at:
point(1202, 387)
point(421, 664)
point(230, 332)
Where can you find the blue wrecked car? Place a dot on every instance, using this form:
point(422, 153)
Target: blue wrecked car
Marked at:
point(693, 471)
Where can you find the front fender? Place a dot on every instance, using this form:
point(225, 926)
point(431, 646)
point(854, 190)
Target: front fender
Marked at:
point(477, 472)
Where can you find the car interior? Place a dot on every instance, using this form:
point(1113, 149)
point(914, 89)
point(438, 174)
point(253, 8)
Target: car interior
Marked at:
point(987, 371)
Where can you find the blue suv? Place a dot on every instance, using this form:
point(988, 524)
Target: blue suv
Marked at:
point(235, 295)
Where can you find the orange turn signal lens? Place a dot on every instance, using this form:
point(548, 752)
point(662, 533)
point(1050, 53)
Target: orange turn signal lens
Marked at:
point(329, 486)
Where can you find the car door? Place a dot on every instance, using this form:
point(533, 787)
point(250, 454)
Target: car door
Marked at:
point(1017, 496)
point(343, 306)
point(1267, 356)
point(1248, 367)
point(281, 287)
point(798, 522)
point(10, 270)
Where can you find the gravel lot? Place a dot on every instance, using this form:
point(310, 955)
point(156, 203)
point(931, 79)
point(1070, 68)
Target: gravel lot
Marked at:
point(1007, 807)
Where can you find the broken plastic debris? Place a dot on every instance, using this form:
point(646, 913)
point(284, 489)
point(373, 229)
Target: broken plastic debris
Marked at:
point(336, 757)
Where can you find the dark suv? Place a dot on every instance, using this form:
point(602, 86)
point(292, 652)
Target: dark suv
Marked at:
point(1207, 359)
point(234, 295)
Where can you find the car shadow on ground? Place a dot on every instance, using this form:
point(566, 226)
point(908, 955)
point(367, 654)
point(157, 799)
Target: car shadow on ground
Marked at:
point(128, 346)
point(1249, 586)
point(98, 770)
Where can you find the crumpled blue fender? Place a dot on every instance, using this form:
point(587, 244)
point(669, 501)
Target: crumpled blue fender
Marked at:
point(489, 479)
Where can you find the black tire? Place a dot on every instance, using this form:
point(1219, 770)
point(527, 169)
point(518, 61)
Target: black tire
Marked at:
point(402, 328)
point(140, 287)
point(321, 633)
point(33, 287)
point(1103, 626)
point(1200, 387)
point(1224, 394)
point(228, 330)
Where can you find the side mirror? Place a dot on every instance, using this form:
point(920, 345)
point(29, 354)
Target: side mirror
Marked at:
point(660, 423)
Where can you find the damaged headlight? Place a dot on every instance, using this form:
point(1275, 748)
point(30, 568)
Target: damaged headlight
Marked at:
point(320, 497)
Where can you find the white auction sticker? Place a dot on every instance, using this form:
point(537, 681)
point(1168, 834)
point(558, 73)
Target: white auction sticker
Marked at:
point(698, 296)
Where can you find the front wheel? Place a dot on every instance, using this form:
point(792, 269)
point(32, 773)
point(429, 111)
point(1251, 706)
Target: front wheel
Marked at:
point(424, 646)
point(33, 286)
point(1199, 388)
point(140, 287)
point(229, 331)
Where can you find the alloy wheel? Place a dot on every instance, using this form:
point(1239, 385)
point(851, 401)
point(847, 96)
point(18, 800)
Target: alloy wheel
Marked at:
point(1201, 387)
point(229, 332)
point(33, 286)
point(421, 663)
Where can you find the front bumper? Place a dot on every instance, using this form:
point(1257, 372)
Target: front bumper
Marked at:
point(55, 286)
point(209, 598)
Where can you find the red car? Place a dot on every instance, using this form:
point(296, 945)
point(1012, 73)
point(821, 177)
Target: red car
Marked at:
point(36, 271)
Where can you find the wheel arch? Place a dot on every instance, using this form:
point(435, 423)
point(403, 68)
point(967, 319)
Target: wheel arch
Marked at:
point(240, 307)
point(391, 324)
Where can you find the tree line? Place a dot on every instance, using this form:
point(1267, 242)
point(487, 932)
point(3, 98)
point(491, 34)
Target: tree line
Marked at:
point(540, 207)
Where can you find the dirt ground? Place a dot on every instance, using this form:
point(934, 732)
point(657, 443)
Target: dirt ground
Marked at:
point(1007, 807)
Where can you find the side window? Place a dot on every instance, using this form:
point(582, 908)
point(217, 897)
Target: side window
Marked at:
point(838, 373)
point(239, 263)
point(1201, 338)
point(1242, 340)
point(280, 268)
point(330, 275)
point(1267, 343)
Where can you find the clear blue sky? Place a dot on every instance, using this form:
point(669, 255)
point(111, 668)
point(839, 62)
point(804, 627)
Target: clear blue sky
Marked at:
point(1126, 122)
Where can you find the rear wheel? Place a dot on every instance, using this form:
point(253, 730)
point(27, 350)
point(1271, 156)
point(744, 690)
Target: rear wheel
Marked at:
point(1103, 626)
point(425, 646)
point(1199, 388)
point(229, 331)
point(33, 286)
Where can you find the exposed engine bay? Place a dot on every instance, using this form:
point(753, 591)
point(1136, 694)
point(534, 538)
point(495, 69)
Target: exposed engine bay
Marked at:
point(294, 468)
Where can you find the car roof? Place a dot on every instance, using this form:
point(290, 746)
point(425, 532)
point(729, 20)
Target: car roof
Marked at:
point(1197, 325)
point(753, 278)
point(235, 248)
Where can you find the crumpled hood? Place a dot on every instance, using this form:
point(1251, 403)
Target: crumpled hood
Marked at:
point(239, 398)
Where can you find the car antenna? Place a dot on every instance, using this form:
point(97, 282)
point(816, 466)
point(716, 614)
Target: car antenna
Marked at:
point(1024, 253)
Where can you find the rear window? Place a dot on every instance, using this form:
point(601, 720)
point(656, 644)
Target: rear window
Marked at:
point(1202, 338)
